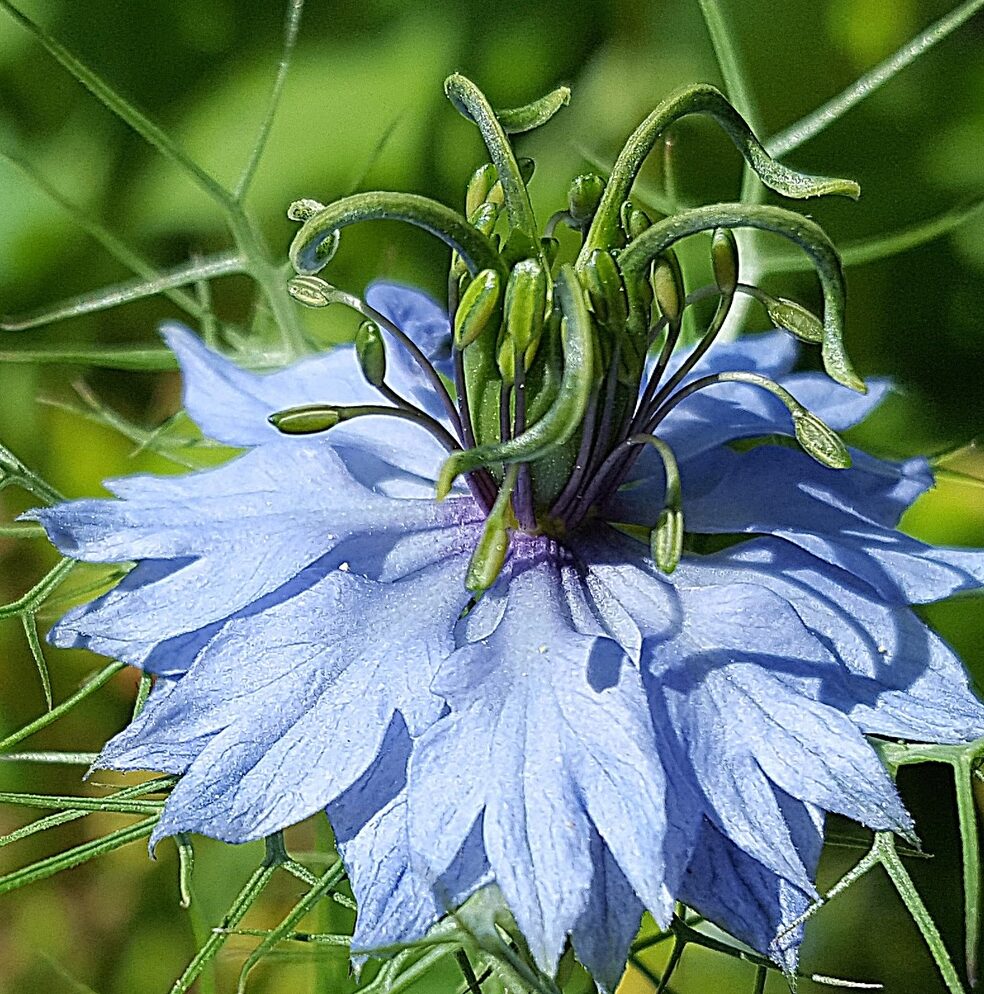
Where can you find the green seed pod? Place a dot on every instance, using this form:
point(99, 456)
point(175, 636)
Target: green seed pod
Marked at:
point(478, 187)
point(606, 291)
point(308, 420)
point(668, 286)
point(724, 258)
point(480, 308)
point(666, 539)
point(820, 441)
point(584, 196)
point(795, 318)
point(371, 352)
point(485, 216)
point(526, 303)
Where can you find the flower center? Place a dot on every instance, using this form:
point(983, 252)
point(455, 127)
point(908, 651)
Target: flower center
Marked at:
point(565, 365)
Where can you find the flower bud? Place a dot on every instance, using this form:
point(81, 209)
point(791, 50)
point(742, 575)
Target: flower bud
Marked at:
point(371, 352)
point(480, 308)
point(724, 259)
point(584, 196)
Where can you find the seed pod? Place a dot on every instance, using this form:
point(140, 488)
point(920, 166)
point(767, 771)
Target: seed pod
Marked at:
point(724, 258)
point(506, 361)
point(584, 196)
point(480, 308)
point(371, 352)
point(526, 303)
point(795, 318)
point(606, 291)
point(668, 286)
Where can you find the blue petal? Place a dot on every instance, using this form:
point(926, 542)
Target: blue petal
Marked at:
point(842, 516)
point(233, 405)
point(298, 697)
point(898, 679)
point(548, 738)
point(244, 530)
point(609, 923)
point(746, 899)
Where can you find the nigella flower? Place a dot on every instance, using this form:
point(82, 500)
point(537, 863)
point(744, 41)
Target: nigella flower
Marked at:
point(547, 679)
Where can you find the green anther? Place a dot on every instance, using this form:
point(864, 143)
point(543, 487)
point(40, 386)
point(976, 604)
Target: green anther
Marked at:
point(526, 304)
point(371, 352)
point(485, 216)
point(584, 196)
point(634, 221)
point(820, 441)
point(699, 99)
point(308, 420)
point(816, 438)
point(322, 228)
point(506, 361)
point(311, 291)
point(478, 188)
point(480, 308)
point(493, 546)
point(807, 234)
point(603, 281)
point(666, 539)
point(472, 103)
point(668, 286)
point(516, 120)
point(794, 317)
point(565, 414)
point(724, 259)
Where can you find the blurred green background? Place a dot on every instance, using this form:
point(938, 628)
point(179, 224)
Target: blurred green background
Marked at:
point(364, 108)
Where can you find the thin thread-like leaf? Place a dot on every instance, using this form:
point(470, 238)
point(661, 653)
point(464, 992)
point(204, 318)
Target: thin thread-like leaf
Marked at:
point(13, 472)
point(25, 530)
point(123, 109)
point(115, 246)
point(825, 115)
point(136, 360)
point(292, 24)
point(51, 756)
point(48, 867)
point(86, 690)
point(971, 854)
point(729, 62)
point(376, 152)
point(220, 264)
point(58, 801)
point(316, 894)
point(874, 248)
point(30, 624)
point(39, 592)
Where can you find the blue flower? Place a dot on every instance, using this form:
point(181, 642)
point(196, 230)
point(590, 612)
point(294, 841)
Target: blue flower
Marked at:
point(586, 626)
point(593, 735)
